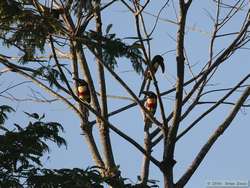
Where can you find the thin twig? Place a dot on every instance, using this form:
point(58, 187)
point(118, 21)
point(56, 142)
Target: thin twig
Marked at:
point(217, 133)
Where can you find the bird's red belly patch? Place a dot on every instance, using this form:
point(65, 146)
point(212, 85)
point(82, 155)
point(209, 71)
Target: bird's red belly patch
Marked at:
point(82, 93)
point(150, 105)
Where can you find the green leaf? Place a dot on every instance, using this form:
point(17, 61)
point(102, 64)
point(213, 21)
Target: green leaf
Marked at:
point(109, 28)
point(18, 28)
point(32, 115)
point(3, 110)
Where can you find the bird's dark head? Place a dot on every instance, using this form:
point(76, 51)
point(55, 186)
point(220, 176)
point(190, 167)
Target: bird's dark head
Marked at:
point(150, 94)
point(159, 59)
point(80, 81)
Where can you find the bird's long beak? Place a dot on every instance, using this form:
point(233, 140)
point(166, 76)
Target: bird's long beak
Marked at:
point(162, 66)
point(145, 93)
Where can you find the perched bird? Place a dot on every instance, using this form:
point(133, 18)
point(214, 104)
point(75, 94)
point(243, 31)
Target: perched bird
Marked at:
point(83, 90)
point(153, 66)
point(150, 104)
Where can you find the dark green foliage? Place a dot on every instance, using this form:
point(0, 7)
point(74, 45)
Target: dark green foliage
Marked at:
point(81, 7)
point(115, 48)
point(32, 115)
point(21, 149)
point(3, 115)
point(25, 28)
point(51, 74)
point(64, 178)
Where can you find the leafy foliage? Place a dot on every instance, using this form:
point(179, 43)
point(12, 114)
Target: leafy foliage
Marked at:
point(21, 149)
point(3, 115)
point(51, 74)
point(64, 178)
point(18, 28)
point(115, 48)
point(27, 28)
point(82, 6)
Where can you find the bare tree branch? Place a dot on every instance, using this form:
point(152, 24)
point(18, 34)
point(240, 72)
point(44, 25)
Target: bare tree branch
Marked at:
point(146, 159)
point(17, 69)
point(125, 86)
point(104, 129)
point(208, 111)
point(219, 131)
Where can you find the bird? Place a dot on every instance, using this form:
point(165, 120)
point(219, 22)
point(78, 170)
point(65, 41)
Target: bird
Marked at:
point(83, 90)
point(150, 104)
point(152, 69)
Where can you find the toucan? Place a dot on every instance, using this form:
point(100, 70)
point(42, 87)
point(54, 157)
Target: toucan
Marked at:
point(153, 66)
point(150, 104)
point(83, 90)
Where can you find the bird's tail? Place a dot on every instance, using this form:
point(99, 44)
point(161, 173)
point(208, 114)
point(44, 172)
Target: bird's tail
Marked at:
point(148, 124)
